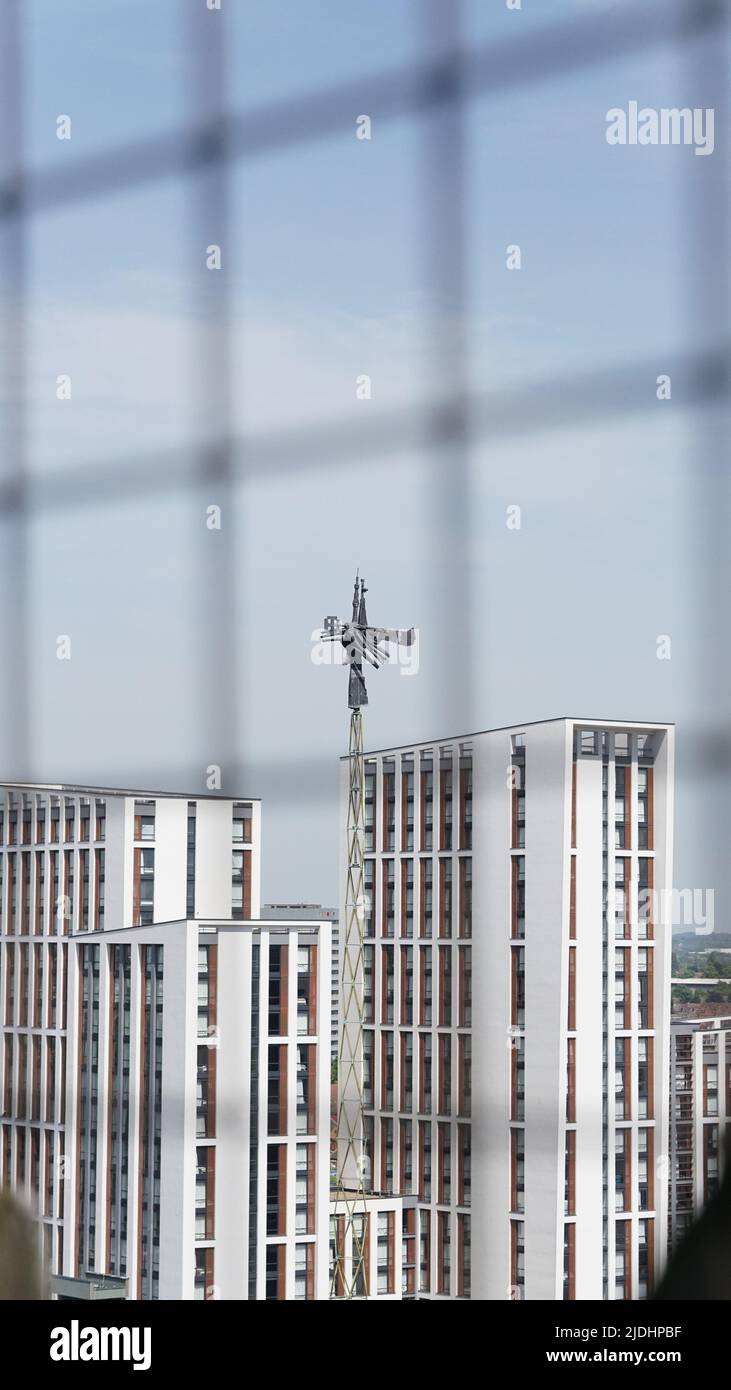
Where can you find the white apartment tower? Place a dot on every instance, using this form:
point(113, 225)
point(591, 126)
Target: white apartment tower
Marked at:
point(153, 1026)
point(516, 994)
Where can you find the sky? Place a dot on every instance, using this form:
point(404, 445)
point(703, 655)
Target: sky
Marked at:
point(338, 260)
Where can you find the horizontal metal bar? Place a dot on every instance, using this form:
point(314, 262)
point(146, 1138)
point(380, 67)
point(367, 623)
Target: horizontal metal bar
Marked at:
point(481, 71)
point(544, 405)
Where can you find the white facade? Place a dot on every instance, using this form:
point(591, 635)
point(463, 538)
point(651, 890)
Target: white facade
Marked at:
point(102, 895)
point(700, 1117)
point(517, 1005)
point(221, 1125)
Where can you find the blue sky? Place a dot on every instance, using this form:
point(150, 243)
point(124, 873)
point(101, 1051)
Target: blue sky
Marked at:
point(328, 275)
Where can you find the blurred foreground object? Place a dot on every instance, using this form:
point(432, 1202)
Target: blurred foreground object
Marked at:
point(701, 1266)
point(20, 1269)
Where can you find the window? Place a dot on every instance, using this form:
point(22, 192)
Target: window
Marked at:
point(387, 984)
point(424, 1251)
point(407, 804)
point(445, 898)
point(621, 1078)
point(190, 861)
point(276, 1212)
point(465, 897)
point(306, 1085)
point(387, 1070)
point(368, 912)
point(517, 963)
point(278, 991)
point(426, 869)
point(406, 1175)
point(445, 986)
point(645, 961)
point(387, 1155)
point(389, 807)
point(644, 1078)
point(305, 1190)
point(389, 906)
point(425, 1065)
point(445, 804)
point(518, 905)
point(204, 1287)
point(406, 1015)
point(517, 1257)
point(465, 1074)
point(622, 1152)
point(645, 1138)
point(517, 1054)
point(205, 1093)
point(307, 989)
point(370, 807)
point(465, 799)
point(146, 885)
point(464, 998)
point(517, 1157)
point(385, 1252)
point(275, 1273)
point(277, 1089)
point(445, 1073)
point(645, 1257)
point(241, 829)
point(407, 1071)
point(204, 1193)
point(368, 963)
point(240, 906)
point(621, 988)
point(427, 803)
point(304, 1271)
point(408, 1253)
point(425, 1160)
point(407, 897)
point(444, 1259)
point(425, 985)
point(518, 796)
point(368, 1067)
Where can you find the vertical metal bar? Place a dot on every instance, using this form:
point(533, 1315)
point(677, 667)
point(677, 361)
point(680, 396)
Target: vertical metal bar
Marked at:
point(449, 582)
point(15, 692)
point(217, 631)
point(707, 227)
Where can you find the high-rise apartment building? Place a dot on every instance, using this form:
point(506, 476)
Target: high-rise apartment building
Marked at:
point(700, 1116)
point(516, 987)
point(153, 1025)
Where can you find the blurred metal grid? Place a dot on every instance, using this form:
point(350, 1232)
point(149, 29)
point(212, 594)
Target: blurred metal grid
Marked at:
point(443, 430)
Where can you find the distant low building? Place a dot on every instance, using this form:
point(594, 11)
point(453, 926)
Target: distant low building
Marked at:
point(700, 1113)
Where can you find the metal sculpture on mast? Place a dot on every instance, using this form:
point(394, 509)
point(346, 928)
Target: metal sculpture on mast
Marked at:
point(360, 643)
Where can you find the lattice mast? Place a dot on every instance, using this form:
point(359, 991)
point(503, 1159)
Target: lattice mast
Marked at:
point(360, 642)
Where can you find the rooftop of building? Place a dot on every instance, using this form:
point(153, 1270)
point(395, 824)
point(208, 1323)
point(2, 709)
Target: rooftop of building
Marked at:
point(141, 794)
point(701, 1013)
point(278, 910)
point(634, 725)
point(207, 924)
